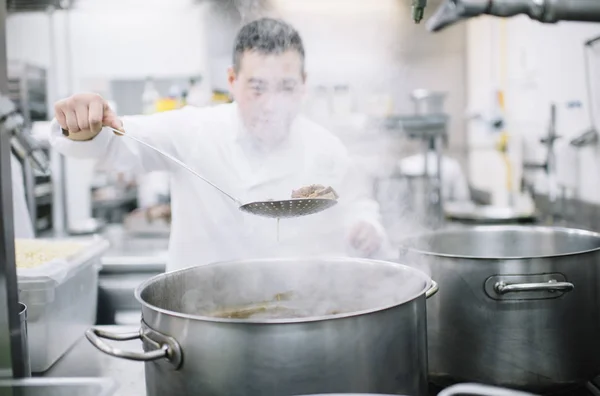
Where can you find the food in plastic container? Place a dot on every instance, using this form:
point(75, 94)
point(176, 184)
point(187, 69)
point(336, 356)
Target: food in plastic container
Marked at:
point(58, 281)
point(32, 253)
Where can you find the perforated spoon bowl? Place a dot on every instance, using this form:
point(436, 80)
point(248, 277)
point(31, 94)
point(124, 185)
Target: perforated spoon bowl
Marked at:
point(283, 209)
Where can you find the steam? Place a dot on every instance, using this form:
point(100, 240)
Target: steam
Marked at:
point(248, 10)
point(308, 287)
point(317, 287)
point(404, 214)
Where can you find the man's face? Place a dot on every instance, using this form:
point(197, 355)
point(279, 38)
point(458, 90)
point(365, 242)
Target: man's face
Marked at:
point(268, 90)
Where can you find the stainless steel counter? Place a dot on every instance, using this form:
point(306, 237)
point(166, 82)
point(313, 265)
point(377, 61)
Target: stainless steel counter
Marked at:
point(134, 251)
point(131, 260)
point(83, 360)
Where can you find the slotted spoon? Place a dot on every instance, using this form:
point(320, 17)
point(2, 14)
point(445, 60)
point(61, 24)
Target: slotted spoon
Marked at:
point(283, 209)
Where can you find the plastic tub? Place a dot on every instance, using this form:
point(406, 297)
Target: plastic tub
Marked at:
point(61, 298)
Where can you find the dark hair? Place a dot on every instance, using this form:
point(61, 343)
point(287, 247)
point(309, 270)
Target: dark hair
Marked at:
point(266, 36)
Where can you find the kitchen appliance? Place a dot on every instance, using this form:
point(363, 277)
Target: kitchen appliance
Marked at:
point(27, 89)
point(319, 325)
point(518, 306)
point(428, 124)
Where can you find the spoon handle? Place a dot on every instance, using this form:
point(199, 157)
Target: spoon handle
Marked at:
point(178, 162)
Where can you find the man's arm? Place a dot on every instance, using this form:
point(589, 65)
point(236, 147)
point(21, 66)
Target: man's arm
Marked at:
point(92, 139)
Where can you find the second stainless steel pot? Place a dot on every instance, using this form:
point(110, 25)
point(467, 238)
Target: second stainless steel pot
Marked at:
point(354, 326)
point(518, 306)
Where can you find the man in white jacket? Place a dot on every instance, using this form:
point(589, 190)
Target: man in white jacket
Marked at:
point(257, 148)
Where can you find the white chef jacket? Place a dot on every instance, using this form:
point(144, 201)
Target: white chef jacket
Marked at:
point(22, 218)
point(206, 225)
point(454, 182)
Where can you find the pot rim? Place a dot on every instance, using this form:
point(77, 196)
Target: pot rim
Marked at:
point(428, 285)
point(489, 228)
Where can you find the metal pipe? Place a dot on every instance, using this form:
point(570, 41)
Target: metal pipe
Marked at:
point(418, 8)
point(592, 41)
point(439, 177)
point(546, 11)
point(551, 157)
point(571, 10)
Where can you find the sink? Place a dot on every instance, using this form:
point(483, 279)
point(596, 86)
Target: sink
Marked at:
point(57, 387)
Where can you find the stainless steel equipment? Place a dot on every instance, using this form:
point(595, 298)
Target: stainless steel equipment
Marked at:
point(546, 11)
point(418, 7)
point(487, 214)
point(27, 89)
point(282, 209)
point(23, 144)
point(428, 124)
point(34, 160)
point(518, 306)
point(24, 340)
point(351, 325)
point(549, 166)
point(460, 389)
point(11, 353)
point(480, 390)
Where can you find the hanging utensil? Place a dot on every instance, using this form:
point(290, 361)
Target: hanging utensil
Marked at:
point(281, 209)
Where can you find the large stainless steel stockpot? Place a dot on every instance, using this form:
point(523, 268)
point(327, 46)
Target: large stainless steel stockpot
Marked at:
point(282, 327)
point(518, 306)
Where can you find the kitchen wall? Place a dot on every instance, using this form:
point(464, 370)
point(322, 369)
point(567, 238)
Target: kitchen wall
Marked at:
point(105, 40)
point(535, 64)
point(373, 47)
point(100, 41)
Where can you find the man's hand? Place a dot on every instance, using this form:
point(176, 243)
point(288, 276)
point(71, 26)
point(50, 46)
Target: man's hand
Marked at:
point(82, 116)
point(365, 238)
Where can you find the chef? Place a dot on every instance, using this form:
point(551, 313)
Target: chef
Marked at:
point(256, 148)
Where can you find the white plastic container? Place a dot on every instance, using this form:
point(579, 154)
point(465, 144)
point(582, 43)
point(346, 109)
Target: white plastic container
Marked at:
point(61, 298)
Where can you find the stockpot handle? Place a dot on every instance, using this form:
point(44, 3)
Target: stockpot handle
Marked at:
point(432, 290)
point(550, 286)
point(164, 347)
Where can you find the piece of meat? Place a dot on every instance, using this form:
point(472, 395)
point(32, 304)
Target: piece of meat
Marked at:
point(315, 191)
